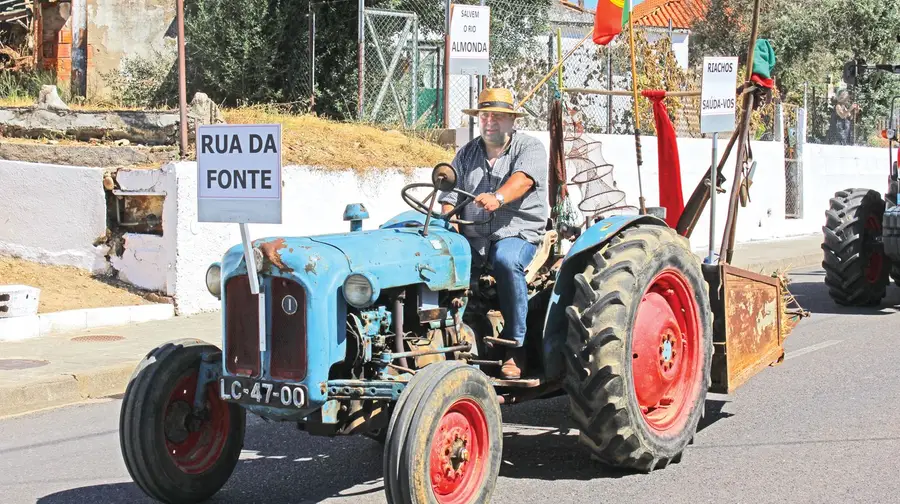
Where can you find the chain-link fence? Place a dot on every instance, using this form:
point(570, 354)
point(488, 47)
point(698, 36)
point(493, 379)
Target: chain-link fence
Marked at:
point(528, 37)
point(402, 79)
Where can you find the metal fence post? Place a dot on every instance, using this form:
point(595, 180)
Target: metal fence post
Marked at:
point(446, 63)
point(361, 53)
point(312, 58)
point(79, 48)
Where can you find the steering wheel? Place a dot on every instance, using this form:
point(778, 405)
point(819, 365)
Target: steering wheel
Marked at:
point(443, 179)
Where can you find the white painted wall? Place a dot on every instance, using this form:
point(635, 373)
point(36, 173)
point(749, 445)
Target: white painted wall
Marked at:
point(52, 214)
point(40, 224)
point(831, 168)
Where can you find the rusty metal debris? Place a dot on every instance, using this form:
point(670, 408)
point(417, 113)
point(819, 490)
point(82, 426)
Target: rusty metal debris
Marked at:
point(748, 329)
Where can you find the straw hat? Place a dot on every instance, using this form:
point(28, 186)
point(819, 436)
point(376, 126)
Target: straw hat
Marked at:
point(495, 100)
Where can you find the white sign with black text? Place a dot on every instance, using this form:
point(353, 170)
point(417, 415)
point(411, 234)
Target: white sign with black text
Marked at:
point(718, 95)
point(470, 39)
point(239, 173)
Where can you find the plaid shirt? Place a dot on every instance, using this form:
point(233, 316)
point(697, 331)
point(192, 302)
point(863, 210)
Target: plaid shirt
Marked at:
point(524, 154)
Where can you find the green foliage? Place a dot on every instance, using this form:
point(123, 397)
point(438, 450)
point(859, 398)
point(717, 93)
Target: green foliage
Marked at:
point(812, 41)
point(145, 82)
point(26, 85)
point(233, 48)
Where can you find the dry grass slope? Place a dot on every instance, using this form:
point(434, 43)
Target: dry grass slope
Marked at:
point(309, 140)
point(65, 288)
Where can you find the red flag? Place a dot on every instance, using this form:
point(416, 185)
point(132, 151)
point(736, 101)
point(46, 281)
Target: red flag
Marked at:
point(670, 195)
point(608, 20)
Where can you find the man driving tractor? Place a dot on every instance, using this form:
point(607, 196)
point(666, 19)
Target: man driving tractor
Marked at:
point(505, 169)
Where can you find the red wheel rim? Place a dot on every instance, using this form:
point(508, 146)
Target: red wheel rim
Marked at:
point(875, 263)
point(194, 444)
point(666, 345)
point(459, 453)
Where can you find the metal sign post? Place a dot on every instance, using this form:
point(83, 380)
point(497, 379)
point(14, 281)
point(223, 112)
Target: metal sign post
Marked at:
point(718, 105)
point(239, 181)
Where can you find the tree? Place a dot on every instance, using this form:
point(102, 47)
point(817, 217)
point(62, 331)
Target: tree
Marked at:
point(812, 41)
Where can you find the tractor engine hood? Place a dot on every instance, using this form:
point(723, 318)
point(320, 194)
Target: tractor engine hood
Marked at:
point(391, 257)
point(402, 256)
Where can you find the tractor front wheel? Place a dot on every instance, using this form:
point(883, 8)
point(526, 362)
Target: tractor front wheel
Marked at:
point(174, 454)
point(444, 440)
point(857, 271)
point(639, 349)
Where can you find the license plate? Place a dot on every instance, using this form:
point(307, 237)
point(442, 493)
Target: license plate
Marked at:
point(263, 393)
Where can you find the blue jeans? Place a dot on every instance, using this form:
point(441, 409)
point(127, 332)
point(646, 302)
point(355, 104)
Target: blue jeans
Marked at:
point(508, 258)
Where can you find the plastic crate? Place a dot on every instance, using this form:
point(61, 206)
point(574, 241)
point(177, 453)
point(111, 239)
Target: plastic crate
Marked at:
point(18, 300)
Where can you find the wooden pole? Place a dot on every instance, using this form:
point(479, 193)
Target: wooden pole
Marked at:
point(182, 82)
point(637, 117)
point(606, 92)
point(728, 237)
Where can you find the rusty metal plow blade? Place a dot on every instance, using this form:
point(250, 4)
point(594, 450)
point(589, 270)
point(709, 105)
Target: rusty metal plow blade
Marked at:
point(751, 322)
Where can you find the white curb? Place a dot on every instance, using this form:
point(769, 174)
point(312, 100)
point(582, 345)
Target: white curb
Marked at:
point(21, 328)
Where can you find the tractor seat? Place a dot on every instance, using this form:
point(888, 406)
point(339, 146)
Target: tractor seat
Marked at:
point(541, 256)
point(531, 271)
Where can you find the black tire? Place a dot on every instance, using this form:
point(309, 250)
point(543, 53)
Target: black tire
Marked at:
point(442, 387)
point(856, 268)
point(144, 429)
point(601, 354)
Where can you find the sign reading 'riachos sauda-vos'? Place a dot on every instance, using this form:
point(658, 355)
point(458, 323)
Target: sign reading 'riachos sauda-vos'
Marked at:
point(718, 102)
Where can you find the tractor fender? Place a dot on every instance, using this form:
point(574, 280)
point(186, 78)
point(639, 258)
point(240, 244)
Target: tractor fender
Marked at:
point(594, 238)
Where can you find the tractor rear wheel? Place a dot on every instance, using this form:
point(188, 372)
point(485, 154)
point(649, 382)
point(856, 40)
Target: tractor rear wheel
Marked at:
point(857, 271)
point(639, 349)
point(172, 454)
point(445, 438)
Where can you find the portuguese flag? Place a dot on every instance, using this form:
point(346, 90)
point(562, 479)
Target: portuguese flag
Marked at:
point(611, 17)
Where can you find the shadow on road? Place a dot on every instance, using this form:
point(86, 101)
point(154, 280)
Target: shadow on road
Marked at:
point(812, 294)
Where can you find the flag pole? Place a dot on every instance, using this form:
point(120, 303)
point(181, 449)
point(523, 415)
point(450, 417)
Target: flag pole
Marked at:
point(637, 118)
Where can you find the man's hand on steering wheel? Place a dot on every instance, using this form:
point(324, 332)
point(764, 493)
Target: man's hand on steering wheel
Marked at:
point(488, 201)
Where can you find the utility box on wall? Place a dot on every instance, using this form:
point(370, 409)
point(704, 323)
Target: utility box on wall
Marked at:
point(18, 300)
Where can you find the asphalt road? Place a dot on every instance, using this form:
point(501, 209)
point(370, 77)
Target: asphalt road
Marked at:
point(822, 427)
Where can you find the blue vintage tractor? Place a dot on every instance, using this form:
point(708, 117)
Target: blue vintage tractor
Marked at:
point(385, 333)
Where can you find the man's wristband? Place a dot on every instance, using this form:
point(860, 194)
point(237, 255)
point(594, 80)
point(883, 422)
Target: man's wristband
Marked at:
point(499, 198)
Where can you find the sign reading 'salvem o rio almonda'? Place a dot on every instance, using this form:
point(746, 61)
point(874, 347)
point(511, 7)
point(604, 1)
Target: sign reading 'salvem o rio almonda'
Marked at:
point(470, 39)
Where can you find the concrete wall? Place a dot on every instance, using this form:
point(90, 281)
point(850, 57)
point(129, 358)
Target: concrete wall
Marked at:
point(52, 214)
point(148, 261)
point(120, 28)
point(831, 168)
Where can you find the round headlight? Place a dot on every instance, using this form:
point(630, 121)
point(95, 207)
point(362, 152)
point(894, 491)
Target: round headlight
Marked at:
point(214, 280)
point(359, 291)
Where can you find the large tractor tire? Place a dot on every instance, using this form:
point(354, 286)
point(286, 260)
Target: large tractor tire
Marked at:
point(857, 271)
point(639, 349)
point(171, 454)
point(445, 438)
